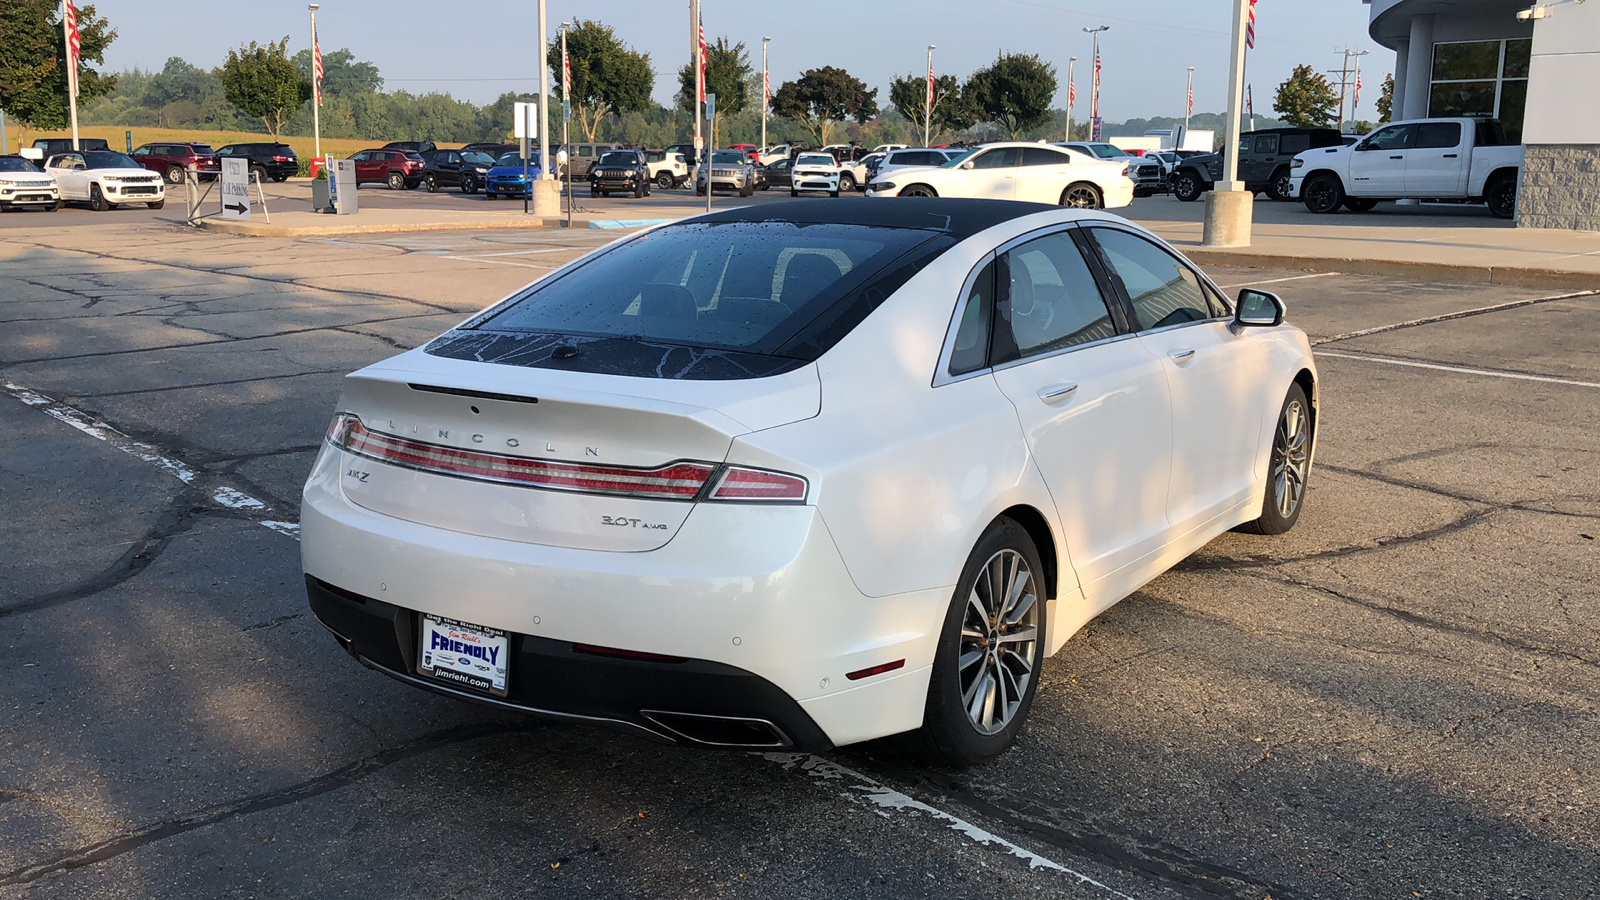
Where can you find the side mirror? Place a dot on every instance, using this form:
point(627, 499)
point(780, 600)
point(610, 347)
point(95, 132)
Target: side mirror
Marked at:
point(1258, 308)
point(967, 164)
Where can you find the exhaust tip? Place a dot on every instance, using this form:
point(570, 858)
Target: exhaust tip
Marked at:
point(720, 731)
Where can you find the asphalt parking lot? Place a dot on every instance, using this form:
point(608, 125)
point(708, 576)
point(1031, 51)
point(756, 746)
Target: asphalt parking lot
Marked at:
point(1397, 699)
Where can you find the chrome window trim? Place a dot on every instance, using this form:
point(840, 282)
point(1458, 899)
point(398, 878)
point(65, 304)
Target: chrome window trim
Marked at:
point(1183, 261)
point(1065, 350)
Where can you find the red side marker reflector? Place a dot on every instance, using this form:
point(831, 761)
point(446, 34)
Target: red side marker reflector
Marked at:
point(876, 670)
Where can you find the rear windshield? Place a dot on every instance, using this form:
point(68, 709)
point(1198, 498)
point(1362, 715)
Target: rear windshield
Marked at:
point(753, 287)
point(202, 150)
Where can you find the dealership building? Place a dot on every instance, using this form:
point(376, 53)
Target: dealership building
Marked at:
point(1538, 74)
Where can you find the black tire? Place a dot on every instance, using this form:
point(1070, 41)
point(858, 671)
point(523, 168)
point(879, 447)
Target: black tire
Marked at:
point(280, 179)
point(1082, 195)
point(919, 190)
point(950, 731)
point(158, 204)
point(395, 180)
point(174, 175)
point(794, 192)
point(97, 200)
point(1288, 466)
point(469, 184)
point(594, 192)
point(1187, 186)
point(847, 182)
point(58, 206)
point(833, 193)
point(1279, 186)
point(749, 190)
point(5, 207)
point(490, 196)
point(430, 183)
point(1359, 204)
point(261, 173)
point(1323, 193)
point(664, 180)
point(638, 191)
point(1501, 195)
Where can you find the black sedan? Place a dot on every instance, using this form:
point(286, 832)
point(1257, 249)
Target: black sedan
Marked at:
point(465, 169)
point(778, 173)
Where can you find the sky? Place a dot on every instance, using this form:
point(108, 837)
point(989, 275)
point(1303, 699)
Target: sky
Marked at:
point(478, 50)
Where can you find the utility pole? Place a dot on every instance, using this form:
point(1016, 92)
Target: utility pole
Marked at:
point(1072, 94)
point(699, 85)
point(927, 105)
point(1094, 83)
point(766, 86)
point(1344, 72)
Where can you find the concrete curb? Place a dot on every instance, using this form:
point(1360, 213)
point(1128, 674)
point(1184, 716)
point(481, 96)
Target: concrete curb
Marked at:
point(1514, 276)
point(262, 229)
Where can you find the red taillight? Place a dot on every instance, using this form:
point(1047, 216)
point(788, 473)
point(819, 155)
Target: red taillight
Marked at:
point(739, 483)
point(282, 158)
point(682, 480)
point(677, 481)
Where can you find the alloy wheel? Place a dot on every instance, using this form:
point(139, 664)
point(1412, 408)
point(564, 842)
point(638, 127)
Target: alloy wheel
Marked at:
point(1081, 196)
point(999, 628)
point(1281, 187)
point(1291, 456)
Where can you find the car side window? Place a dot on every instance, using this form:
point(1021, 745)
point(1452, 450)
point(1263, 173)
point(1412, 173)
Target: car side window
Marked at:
point(1049, 298)
point(1266, 144)
point(1039, 156)
point(1246, 142)
point(1002, 158)
point(1162, 290)
point(1437, 136)
point(971, 350)
point(141, 151)
point(1395, 137)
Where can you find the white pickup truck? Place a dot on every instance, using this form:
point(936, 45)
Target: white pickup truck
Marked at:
point(1421, 159)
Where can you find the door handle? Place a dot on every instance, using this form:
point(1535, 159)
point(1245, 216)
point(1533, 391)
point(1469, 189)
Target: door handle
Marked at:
point(1450, 156)
point(1397, 157)
point(1181, 355)
point(1056, 392)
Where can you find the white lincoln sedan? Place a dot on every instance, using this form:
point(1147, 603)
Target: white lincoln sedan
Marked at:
point(793, 476)
point(1038, 173)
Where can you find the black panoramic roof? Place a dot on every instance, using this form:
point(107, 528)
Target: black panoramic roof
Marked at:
point(958, 218)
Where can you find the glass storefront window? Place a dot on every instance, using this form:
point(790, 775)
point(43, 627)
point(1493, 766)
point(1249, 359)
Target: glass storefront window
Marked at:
point(1518, 53)
point(1464, 61)
point(1462, 98)
point(1513, 102)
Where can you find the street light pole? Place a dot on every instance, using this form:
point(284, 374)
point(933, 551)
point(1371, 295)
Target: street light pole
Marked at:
point(927, 105)
point(764, 84)
point(566, 118)
point(1228, 206)
point(1072, 94)
point(699, 86)
point(1094, 80)
point(316, 101)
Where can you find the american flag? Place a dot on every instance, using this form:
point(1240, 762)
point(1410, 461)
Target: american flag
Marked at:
point(1250, 27)
point(702, 62)
point(1094, 112)
point(929, 101)
point(1072, 96)
point(74, 45)
point(566, 74)
point(1190, 110)
point(766, 88)
point(1357, 102)
point(1249, 102)
point(316, 66)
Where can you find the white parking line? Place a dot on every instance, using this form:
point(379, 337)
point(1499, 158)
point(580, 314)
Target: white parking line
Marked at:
point(1230, 287)
point(224, 496)
point(1515, 376)
point(1445, 317)
point(887, 800)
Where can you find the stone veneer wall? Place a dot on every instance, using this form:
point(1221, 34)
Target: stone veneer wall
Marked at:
point(1560, 187)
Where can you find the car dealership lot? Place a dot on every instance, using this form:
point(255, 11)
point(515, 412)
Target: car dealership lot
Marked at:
point(1399, 696)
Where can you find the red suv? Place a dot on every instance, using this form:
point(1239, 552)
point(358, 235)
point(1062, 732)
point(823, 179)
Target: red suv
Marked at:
point(171, 159)
point(396, 168)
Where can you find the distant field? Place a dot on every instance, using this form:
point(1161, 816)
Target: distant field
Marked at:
point(337, 148)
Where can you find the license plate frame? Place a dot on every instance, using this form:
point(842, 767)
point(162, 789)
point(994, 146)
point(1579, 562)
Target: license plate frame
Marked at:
point(468, 656)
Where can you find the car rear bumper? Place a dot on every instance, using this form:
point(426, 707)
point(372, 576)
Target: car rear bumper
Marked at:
point(755, 599)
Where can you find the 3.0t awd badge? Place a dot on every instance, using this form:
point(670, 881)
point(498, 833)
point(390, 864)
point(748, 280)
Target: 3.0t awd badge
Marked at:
point(622, 522)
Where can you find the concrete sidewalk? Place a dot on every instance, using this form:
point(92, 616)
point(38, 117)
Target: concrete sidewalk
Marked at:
point(1420, 244)
point(390, 220)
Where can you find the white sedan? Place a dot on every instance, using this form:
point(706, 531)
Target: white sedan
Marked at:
point(801, 475)
point(1038, 173)
point(105, 178)
point(23, 185)
point(814, 172)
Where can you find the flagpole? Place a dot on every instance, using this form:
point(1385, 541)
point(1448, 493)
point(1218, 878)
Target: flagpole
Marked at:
point(69, 17)
point(316, 87)
point(766, 86)
point(1072, 94)
point(699, 84)
point(1188, 110)
point(927, 105)
point(1094, 81)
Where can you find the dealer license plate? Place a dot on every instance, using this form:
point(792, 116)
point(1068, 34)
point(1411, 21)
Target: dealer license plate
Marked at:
point(466, 655)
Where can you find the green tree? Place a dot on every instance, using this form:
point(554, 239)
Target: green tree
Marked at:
point(607, 75)
point(728, 75)
point(1307, 100)
point(342, 73)
point(1386, 101)
point(262, 81)
point(33, 63)
point(951, 110)
point(1014, 93)
point(822, 98)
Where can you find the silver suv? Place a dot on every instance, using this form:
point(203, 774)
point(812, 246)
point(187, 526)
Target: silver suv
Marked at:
point(730, 169)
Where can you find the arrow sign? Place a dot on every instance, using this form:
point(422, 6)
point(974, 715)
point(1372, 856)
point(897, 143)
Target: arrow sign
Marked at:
point(239, 208)
point(236, 189)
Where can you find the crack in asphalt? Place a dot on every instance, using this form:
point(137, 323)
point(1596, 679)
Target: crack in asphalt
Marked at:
point(1124, 849)
point(208, 384)
point(1448, 317)
point(1468, 520)
point(331, 781)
